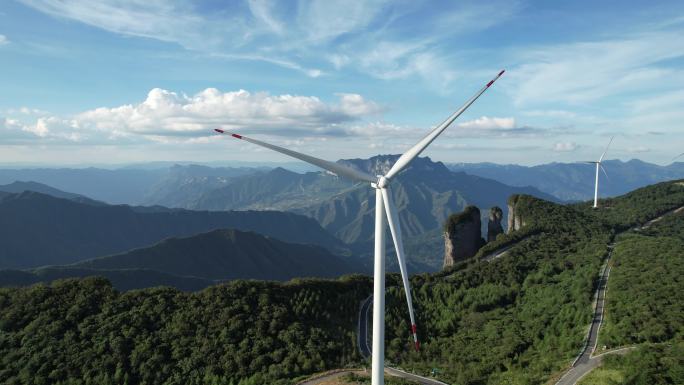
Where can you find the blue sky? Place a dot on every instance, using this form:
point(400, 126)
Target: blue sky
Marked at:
point(131, 81)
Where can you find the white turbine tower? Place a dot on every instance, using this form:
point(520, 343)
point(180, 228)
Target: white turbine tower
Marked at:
point(384, 205)
point(598, 165)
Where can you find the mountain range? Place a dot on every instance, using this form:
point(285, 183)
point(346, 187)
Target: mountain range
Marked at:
point(575, 181)
point(38, 229)
point(195, 262)
point(174, 185)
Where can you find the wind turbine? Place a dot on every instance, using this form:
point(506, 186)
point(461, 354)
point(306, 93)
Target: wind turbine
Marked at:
point(383, 202)
point(598, 165)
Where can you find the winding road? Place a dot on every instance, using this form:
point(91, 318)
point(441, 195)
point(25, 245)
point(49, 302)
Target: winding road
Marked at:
point(365, 350)
point(584, 362)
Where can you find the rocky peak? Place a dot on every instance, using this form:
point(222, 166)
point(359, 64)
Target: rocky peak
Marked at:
point(494, 227)
point(515, 221)
point(381, 164)
point(462, 236)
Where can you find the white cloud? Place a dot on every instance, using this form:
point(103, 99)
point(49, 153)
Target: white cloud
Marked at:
point(487, 123)
point(324, 20)
point(368, 35)
point(3, 40)
point(263, 11)
point(562, 114)
point(564, 146)
point(492, 127)
point(164, 114)
point(584, 72)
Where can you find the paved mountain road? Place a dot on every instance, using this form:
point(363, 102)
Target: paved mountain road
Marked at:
point(585, 363)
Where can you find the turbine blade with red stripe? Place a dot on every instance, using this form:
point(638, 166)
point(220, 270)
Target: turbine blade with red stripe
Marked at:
point(414, 151)
point(395, 229)
point(336, 168)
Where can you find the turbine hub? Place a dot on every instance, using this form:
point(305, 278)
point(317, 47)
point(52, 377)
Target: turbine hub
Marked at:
point(382, 182)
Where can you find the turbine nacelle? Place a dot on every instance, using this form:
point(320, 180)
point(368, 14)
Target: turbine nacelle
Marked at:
point(381, 183)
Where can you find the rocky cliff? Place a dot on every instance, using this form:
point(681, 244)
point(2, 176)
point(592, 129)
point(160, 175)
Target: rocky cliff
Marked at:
point(515, 221)
point(494, 227)
point(462, 236)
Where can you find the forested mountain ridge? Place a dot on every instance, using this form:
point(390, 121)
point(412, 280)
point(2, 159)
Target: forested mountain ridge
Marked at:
point(518, 319)
point(231, 254)
point(198, 261)
point(38, 229)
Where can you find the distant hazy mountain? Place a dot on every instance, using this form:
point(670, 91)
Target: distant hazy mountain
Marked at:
point(277, 189)
point(38, 229)
point(198, 261)
point(19, 186)
point(230, 254)
point(575, 181)
point(182, 186)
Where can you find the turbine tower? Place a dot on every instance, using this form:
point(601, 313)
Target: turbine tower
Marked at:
point(384, 205)
point(598, 165)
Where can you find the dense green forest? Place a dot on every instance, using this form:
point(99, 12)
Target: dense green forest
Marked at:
point(243, 332)
point(517, 319)
point(645, 307)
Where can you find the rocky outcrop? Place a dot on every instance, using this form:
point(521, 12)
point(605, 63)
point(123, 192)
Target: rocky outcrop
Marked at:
point(462, 236)
point(515, 221)
point(494, 227)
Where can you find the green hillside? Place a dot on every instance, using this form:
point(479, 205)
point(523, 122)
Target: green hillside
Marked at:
point(519, 319)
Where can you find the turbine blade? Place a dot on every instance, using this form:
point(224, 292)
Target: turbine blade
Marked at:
point(414, 151)
point(604, 152)
point(395, 229)
point(324, 164)
point(604, 171)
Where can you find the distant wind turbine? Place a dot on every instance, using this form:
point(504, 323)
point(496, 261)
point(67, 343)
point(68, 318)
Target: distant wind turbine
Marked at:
point(383, 202)
point(598, 165)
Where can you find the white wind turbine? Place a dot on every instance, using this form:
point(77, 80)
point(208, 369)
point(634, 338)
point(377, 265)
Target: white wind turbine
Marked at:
point(383, 202)
point(598, 165)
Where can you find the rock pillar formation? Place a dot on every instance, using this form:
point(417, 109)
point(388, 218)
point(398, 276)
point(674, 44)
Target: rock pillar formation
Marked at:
point(462, 236)
point(494, 227)
point(515, 221)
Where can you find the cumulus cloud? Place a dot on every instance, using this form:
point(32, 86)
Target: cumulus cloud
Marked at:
point(3, 40)
point(493, 127)
point(166, 114)
point(565, 146)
